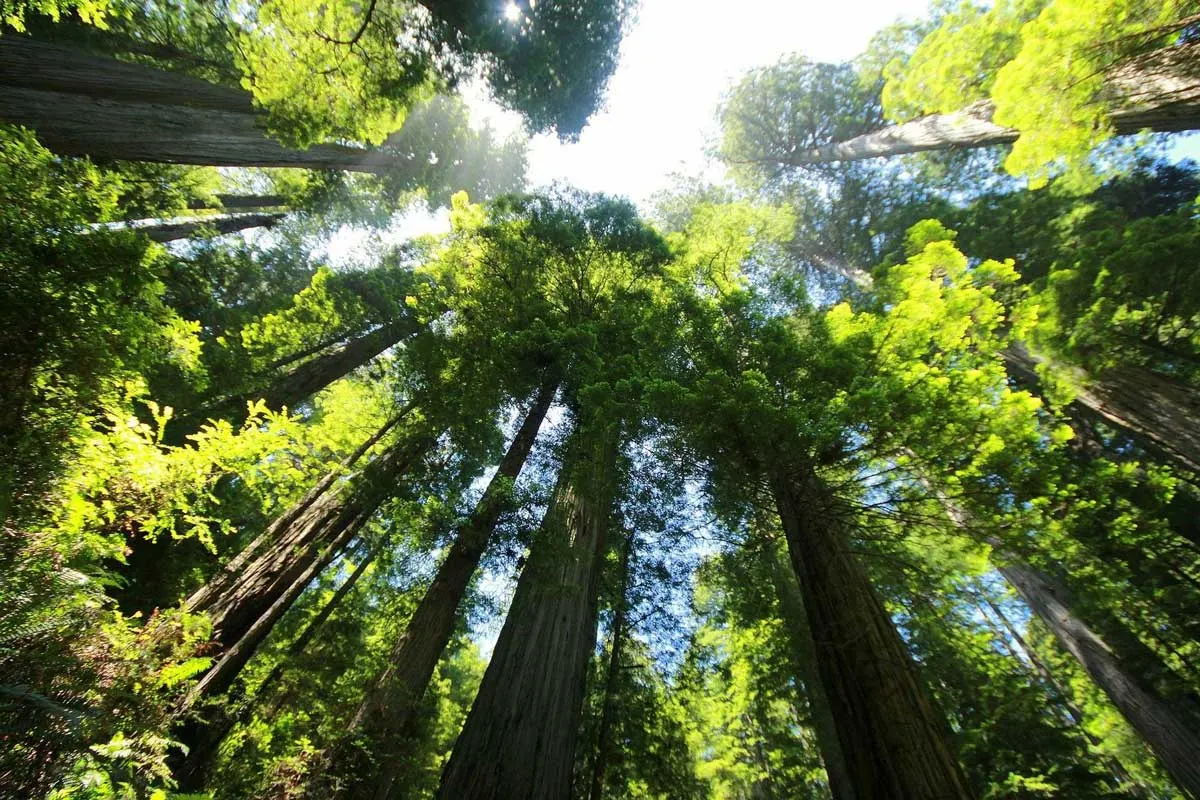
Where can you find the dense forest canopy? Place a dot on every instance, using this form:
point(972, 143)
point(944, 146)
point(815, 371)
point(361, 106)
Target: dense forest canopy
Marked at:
point(868, 469)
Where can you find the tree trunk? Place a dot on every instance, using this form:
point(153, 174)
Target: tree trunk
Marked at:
point(1167, 736)
point(608, 708)
point(1155, 95)
point(892, 740)
point(1121, 776)
point(206, 739)
point(518, 742)
point(1160, 414)
point(184, 229)
point(234, 605)
point(82, 104)
point(241, 202)
point(1155, 720)
point(804, 650)
point(221, 675)
point(296, 386)
point(206, 595)
point(388, 711)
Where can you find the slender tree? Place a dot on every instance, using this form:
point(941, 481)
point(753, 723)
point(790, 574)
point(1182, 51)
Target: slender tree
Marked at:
point(230, 223)
point(387, 713)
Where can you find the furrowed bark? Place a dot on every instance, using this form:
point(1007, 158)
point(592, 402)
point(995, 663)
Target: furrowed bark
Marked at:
point(1160, 414)
point(302, 543)
point(206, 595)
point(1155, 93)
point(804, 654)
point(518, 742)
point(1176, 745)
point(88, 105)
point(387, 714)
point(231, 223)
point(204, 739)
point(296, 386)
point(892, 740)
point(221, 675)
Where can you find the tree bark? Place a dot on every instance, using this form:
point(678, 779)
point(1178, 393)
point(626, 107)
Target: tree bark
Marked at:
point(221, 675)
point(804, 654)
point(891, 738)
point(205, 739)
point(241, 202)
point(1159, 723)
point(230, 223)
point(87, 105)
point(1155, 94)
point(245, 619)
point(218, 583)
point(518, 742)
point(387, 713)
point(292, 388)
point(238, 598)
point(1164, 732)
point(1160, 414)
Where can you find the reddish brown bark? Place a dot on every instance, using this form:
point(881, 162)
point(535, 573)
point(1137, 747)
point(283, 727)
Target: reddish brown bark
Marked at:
point(892, 740)
point(387, 712)
point(518, 742)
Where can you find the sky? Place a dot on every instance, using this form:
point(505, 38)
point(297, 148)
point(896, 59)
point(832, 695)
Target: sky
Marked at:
point(676, 62)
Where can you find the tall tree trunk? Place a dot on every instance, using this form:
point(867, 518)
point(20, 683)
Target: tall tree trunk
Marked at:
point(1161, 724)
point(1172, 741)
point(83, 104)
point(608, 707)
point(234, 605)
point(206, 739)
point(804, 654)
point(206, 595)
point(230, 223)
point(518, 742)
point(892, 740)
point(294, 387)
point(1157, 92)
point(387, 713)
point(221, 675)
point(1160, 414)
point(241, 202)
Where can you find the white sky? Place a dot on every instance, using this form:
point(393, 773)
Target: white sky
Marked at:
point(676, 62)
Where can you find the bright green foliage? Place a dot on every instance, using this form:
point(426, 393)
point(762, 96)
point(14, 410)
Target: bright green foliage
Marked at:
point(1121, 292)
point(1052, 69)
point(956, 63)
point(14, 13)
point(323, 70)
point(747, 717)
point(83, 312)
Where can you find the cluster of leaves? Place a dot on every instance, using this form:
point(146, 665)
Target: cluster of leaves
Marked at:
point(1080, 59)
